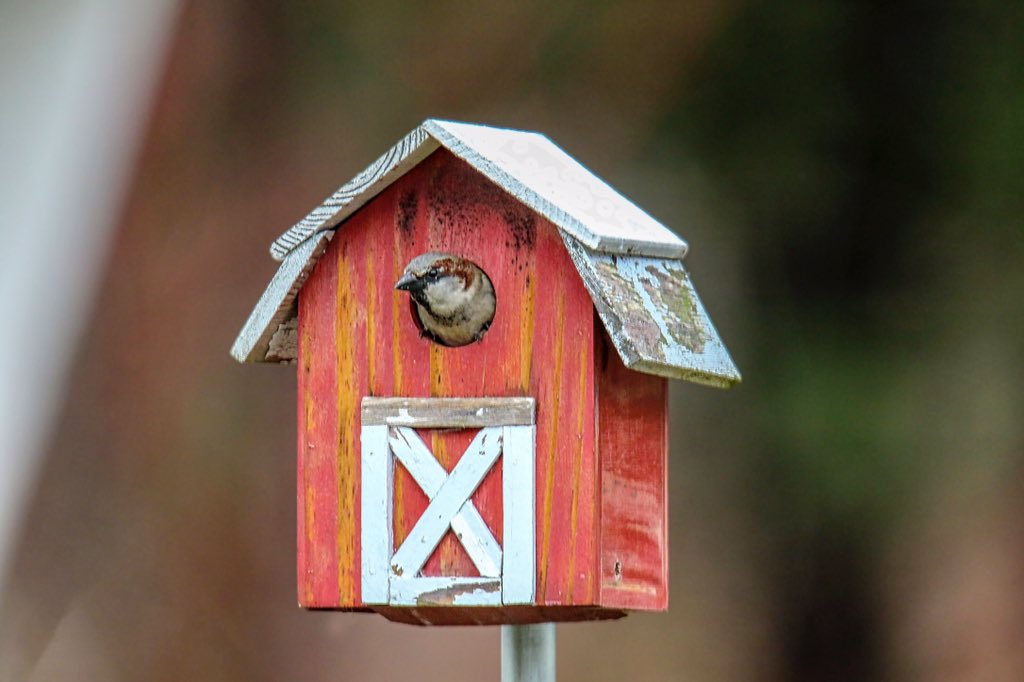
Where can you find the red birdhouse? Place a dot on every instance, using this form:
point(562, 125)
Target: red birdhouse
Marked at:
point(520, 477)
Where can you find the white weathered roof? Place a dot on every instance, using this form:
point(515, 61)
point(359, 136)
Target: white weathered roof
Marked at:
point(528, 166)
point(630, 263)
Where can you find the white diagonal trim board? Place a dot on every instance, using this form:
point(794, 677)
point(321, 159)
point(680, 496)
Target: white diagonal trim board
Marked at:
point(453, 493)
point(429, 475)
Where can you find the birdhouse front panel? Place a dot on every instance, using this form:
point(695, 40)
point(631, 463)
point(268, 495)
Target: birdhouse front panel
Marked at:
point(358, 338)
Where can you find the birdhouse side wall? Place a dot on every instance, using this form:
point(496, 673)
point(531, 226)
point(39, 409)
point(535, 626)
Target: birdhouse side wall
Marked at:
point(633, 451)
point(357, 338)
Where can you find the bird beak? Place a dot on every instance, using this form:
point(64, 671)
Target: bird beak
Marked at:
point(408, 282)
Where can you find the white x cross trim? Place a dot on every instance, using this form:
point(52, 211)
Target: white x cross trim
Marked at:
point(392, 575)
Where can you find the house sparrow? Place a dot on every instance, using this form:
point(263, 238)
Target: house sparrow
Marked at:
point(453, 297)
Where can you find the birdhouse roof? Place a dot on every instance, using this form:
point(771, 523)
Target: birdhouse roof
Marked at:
point(630, 263)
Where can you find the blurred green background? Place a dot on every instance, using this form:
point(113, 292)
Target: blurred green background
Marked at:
point(850, 177)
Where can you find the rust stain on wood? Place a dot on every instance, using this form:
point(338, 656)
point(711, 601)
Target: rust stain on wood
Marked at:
point(317, 421)
point(526, 331)
point(637, 589)
point(549, 482)
point(398, 512)
point(347, 533)
point(577, 468)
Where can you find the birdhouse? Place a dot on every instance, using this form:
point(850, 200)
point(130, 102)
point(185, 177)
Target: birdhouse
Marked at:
point(518, 477)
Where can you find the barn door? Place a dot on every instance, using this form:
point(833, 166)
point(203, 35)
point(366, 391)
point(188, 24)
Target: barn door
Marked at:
point(504, 430)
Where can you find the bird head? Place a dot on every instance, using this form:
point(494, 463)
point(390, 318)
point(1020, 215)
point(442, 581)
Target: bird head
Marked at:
point(440, 281)
point(455, 298)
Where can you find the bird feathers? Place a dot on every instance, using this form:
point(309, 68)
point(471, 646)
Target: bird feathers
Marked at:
point(453, 297)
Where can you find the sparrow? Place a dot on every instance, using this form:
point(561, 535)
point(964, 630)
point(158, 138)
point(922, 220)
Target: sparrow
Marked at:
point(453, 298)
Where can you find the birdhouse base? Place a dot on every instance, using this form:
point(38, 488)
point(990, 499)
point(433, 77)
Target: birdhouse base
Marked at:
point(507, 615)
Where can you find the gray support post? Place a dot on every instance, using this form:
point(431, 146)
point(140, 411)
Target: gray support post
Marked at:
point(528, 653)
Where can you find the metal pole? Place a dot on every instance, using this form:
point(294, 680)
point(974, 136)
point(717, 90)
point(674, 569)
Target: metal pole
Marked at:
point(528, 653)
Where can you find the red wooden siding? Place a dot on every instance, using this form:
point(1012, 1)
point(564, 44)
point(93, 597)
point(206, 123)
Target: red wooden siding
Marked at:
point(319, 487)
point(633, 450)
point(357, 338)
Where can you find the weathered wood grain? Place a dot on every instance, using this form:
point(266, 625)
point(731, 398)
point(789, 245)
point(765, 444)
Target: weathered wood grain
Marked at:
point(654, 316)
point(453, 413)
point(396, 579)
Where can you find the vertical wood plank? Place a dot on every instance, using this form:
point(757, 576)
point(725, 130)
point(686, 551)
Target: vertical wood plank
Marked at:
point(584, 508)
point(318, 429)
point(377, 486)
point(633, 447)
point(519, 551)
point(547, 465)
point(349, 354)
point(563, 331)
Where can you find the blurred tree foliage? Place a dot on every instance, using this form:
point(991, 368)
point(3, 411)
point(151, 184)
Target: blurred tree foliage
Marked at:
point(876, 152)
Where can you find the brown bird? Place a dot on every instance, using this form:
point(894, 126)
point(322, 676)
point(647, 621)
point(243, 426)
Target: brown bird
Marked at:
point(453, 297)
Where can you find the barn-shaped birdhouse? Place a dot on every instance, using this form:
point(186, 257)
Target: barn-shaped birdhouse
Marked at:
point(518, 475)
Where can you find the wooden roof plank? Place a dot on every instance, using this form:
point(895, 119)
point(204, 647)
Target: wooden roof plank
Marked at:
point(654, 316)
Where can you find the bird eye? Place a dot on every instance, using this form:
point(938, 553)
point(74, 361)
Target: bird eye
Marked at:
point(433, 272)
